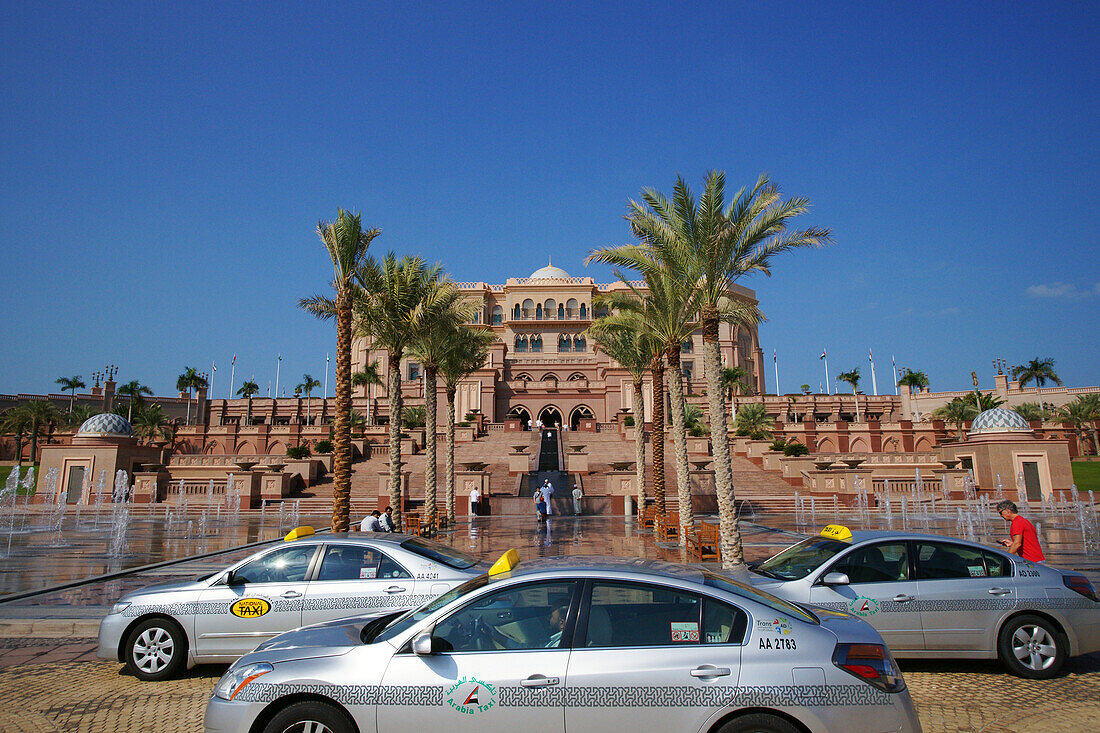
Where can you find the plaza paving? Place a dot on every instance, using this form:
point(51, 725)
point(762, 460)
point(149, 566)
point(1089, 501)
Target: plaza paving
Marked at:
point(52, 684)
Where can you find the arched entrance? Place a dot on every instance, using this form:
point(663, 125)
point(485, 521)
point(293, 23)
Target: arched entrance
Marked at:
point(550, 417)
point(580, 413)
point(521, 414)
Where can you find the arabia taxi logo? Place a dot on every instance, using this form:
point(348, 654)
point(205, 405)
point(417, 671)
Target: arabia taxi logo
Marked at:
point(863, 606)
point(250, 608)
point(470, 695)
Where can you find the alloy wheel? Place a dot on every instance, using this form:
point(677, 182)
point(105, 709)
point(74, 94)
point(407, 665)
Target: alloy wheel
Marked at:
point(1034, 647)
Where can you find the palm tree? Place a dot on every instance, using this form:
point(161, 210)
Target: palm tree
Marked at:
point(723, 243)
point(753, 421)
point(17, 421)
point(634, 352)
point(664, 311)
point(346, 243)
point(1082, 415)
point(152, 423)
point(190, 380)
point(42, 414)
point(957, 411)
point(1037, 370)
point(79, 415)
point(71, 385)
point(308, 385)
point(465, 354)
point(982, 400)
point(134, 390)
point(397, 298)
point(914, 381)
point(365, 378)
point(248, 389)
point(1031, 411)
point(438, 326)
point(851, 378)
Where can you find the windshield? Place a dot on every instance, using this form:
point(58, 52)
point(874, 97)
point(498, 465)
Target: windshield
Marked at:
point(747, 591)
point(440, 553)
point(416, 615)
point(798, 561)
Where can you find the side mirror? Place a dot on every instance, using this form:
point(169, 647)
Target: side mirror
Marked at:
point(835, 579)
point(232, 579)
point(422, 644)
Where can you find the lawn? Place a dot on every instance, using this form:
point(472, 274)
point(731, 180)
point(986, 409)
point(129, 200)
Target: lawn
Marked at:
point(1086, 474)
point(5, 471)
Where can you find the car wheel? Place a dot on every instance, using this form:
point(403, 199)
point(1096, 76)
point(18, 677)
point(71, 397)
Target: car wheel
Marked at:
point(310, 717)
point(759, 723)
point(155, 649)
point(1031, 647)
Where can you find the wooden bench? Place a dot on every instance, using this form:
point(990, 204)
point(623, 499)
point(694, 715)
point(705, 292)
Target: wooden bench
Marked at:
point(668, 527)
point(412, 522)
point(702, 543)
point(648, 517)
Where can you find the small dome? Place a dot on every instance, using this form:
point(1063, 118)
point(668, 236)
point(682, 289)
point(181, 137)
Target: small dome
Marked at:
point(999, 420)
point(106, 423)
point(549, 273)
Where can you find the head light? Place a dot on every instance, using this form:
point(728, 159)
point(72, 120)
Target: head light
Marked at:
point(120, 607)
point(237, 679)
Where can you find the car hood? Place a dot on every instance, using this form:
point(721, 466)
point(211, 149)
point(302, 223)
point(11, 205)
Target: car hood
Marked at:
point(327, 639)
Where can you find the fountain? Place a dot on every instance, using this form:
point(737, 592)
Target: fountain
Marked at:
point(120, 514)
point(100, 490)
point(10, 491)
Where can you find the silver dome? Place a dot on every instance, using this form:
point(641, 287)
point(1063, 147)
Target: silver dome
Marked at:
point(106, 423)
point(999, 420)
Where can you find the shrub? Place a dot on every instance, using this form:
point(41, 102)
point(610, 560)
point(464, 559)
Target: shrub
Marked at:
point(778, 445)
point(415, 417)
point(628, 421)
point(697, 431)
point(323, 446)
point(470, 417)
point(298, 451)
point(463, 424)
point(795, 449)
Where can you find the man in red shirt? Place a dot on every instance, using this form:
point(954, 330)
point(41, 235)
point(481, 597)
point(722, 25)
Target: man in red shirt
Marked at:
point(1024, 542)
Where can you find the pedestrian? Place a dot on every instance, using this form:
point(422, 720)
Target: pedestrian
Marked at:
point(475, 502)
point(547, 492)
point(387, 520)
point(577, 498)
point(540, 507)
point(1024, 539)
point(372, 523)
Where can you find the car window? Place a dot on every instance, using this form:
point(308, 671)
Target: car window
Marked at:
point(632, 614)
point(738, 588)
point(945, 561)
point(799, 560)
point(997, 566)
point(531, 616)
point(285, 565)
point(723, 623)
point(359, 562)
point(416, 615)
point(884, 562)
point(437, 552)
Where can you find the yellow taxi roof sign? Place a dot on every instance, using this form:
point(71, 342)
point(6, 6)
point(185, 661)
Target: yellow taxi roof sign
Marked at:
point(298, 533)
point(837, 532)
point(506, 562)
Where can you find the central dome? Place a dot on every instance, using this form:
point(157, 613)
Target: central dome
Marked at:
point(106, 424)
point(999, 420)
point(549, 273)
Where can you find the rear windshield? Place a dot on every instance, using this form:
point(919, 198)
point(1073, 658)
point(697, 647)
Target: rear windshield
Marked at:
point(747, 591)
point(440, 553)
point(798, 561)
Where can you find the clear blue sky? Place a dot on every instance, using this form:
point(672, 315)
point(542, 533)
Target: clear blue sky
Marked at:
point(163, 169)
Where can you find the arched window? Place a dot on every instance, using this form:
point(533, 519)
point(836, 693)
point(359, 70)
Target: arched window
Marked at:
point(571, 308)
point(564, 344)
point(538, 312)
point(576, 376)
point(536, 344)
point(561, 312)
point(521, 344)
point(515, 313)
point(549, 307)
point(528, 308)
point(579, 343)
point(498, 315)
point(584, 312)
point(550, 377)
point(523, 377)
point(686, 347)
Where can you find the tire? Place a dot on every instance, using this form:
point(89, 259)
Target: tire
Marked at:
point(1031, 647)
point(759, 723)
point(155, 650)
point(310, 717)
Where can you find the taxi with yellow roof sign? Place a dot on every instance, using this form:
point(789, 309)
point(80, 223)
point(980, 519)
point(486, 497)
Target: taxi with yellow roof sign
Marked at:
point(935, 597)
point(307, 579)
point(575, 643)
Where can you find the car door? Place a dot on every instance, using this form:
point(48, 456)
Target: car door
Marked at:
point(499, 665)
point(650, 657)
point(880, 590)
point(964, 591)
point(353, 579)
point(259, 599)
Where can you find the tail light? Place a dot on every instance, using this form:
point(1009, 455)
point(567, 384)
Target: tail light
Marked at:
point(872, 663)
point(1080, 584)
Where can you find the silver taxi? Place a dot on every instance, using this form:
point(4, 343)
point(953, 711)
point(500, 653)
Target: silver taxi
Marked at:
point(933, 596)
point(581, 644)
point(159, 630)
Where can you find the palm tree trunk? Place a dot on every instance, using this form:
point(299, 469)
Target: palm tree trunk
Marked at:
point(679, 439)
point(72, 396)
point(430, 447)
point(248, 417)
point(450, 455)
point(34, 442)
point(188, 406)
point(729, 528)
point(658, 438)
point(396, 405)
point(639, 446)
point(341, 428)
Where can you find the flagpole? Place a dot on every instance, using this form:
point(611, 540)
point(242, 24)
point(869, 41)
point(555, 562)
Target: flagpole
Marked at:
point(326, 376)
point(894, 364)
point(210, 387)
point(278, 366)
point(232, 375)
point(874, 380)
point(825, 358)
point(775, 358)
